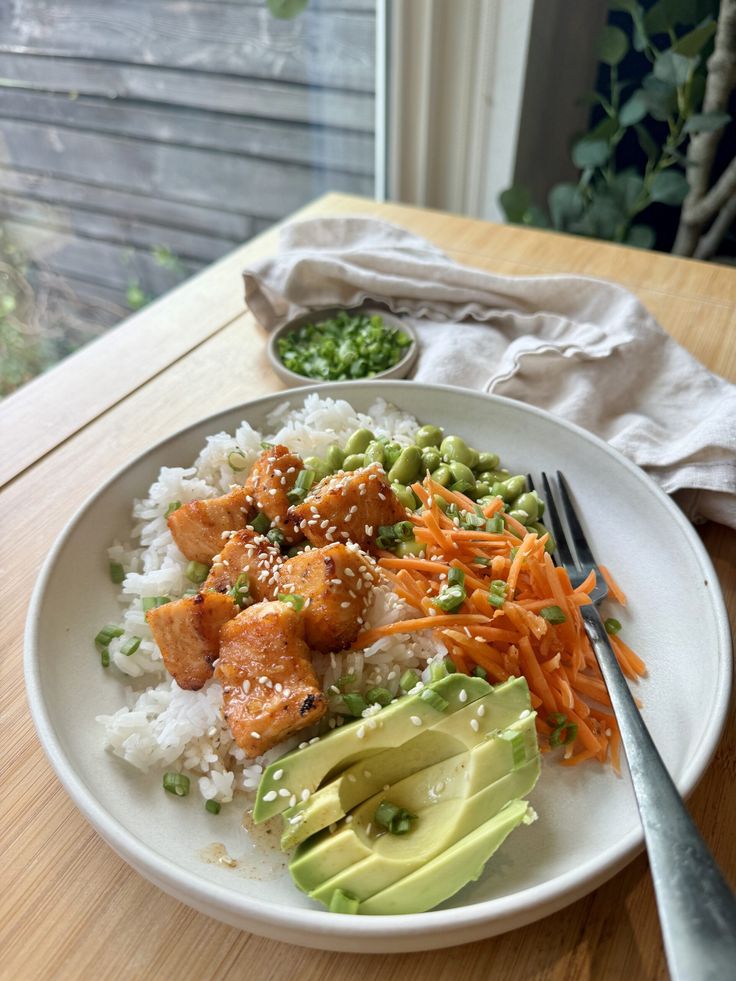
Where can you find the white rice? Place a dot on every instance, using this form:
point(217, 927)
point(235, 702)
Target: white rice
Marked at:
point(164, 727)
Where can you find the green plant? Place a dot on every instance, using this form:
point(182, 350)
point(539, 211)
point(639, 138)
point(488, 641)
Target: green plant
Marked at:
point(674, 36)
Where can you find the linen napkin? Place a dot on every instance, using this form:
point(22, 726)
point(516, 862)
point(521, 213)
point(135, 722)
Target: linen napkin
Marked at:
point(580, 348)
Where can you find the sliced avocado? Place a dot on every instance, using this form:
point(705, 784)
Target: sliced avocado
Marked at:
point(449, 799)
point(305, 769)
point(449, 737)
point(448, 872)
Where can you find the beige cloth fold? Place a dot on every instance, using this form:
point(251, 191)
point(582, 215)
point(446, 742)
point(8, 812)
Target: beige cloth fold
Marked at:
point(581, 348)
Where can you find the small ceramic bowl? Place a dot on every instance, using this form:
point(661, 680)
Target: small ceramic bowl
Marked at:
point(400, 370)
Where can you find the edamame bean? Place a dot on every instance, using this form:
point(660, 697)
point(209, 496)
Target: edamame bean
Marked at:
point(513, 487)
point(428, 436)
point(455, 449)
point(482, 489)
point(391, 453)
point(487, 477)
point(487, 461)
point(404, 494)
point(489, 499)
point(375, 452)
point(431, 459)
point(406, 549)
point(354, 462)
point(501, 474)
point(529, 503)
point(408, 466)
point(550, 544)
point(320, 467)
point(498, 489)
point(441, 503)
point(521, 516)
point(358, 442)
point(474, 458)
point(442, 475)
point(461, 472)
point(334, 457)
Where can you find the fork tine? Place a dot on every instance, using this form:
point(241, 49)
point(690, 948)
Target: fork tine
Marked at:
point(576, 529)
point(552, 518)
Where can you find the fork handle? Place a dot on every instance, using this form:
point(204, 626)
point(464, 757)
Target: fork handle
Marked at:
point(697, 909)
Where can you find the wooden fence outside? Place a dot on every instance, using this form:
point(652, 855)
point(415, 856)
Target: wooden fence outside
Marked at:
point(187, 125)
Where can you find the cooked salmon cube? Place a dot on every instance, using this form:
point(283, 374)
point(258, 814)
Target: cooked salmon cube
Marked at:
point(187, 632)
point(199, 527)
point(335, 583)
point(273, 475)
point(246, 556)
point(270, 690)
point(349, 506)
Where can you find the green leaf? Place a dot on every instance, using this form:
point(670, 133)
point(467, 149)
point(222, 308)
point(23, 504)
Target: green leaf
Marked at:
point(613, 45)
point(669, 187)
point(626, 189)
point(605, 130)
point(657, 18)
point(690, 45)
point(590, 153)
point(566, 205)
point(661, 97)
point(706, 122)
point(673, 68)
point(286, 9)
point(634, 109)
point(683, 11)
point(535, 217)
point(515, 201)
point(641, 237)
point(603, 219)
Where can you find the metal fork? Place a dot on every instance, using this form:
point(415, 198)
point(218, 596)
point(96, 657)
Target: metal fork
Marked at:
point(697, 910)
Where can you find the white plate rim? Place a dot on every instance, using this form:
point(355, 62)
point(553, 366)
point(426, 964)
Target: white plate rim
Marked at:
point(469, 922)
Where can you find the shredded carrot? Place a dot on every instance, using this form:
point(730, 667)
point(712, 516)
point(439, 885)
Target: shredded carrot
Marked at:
point(511, 634)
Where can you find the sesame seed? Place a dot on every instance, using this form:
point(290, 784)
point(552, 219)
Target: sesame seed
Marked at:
point(283, 792)
point(367, 774)
point(474, 725)
point(305, 794)
point(349, 819)
point(463, 696)
point(415, 720)
point(271, 795)
point(352, 778)
point(481, 710)
point(292, 800)
point(361, 732)
point(345, 604)
point(278, 775)
point(256, 735)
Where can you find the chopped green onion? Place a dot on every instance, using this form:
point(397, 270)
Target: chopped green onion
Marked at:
point(450, 598)
point(563, 731)
point(450, 666)
point(344, 680)
point(456, 577)
point(480, 672)
point(343, 902)
point(107, 633)
point(354, 703)
point(379, 695)
point(173, 506)
point(481, 560)
point(293, 599)
point(552, 614)
point(177, 784)
point(394, 819)
point(434, 699)
point(213, 806)
point(462, 486)
point(237, 461)
point(497, 593)
point(104, 656)
point(612, 626)
point(301, 487)
point(512, 552)
point(130, 646)
point(151, 602)
point(408, 680)
point(403, 530)
point(495, 525)
point(197, 572)
point(438, 671)
point(469, 521)
point(275, 536)
point(240, 591)
point(117, 572)
point(296, 549)
point(518, 746)
point(265, 445)
point(260, 523)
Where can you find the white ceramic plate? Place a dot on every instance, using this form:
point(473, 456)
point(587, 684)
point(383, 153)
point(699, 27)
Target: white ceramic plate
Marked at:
point(588, 826)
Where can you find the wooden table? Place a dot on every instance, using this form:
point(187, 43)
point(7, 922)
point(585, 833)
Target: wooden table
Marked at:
point(70, 907)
